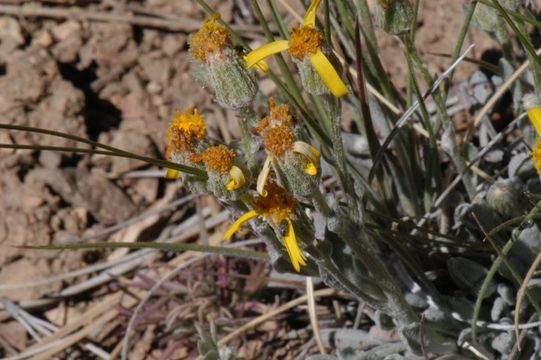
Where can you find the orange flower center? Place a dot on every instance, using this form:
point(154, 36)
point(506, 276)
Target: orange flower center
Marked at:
point(304, 40)
point(178, 141)
point(216, 158)
point(183, 132)
point(280, 113)
point(210, 38)
point(277, 205)
point(278, 140)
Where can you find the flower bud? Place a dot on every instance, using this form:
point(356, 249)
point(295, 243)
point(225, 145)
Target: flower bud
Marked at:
point(234, 85)
point(301, 183)
point(310, 79)
point(224, 177)
point(393, 16)
point(504, 196)
point(221, 67)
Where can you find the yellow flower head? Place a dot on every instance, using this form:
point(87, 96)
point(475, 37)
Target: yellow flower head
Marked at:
point(216, 158)
point(278, 139)
point(219, 159)
point(190, 123)
point(211, 38)
point(536, 156)
point(279, 114)
point(277, 206)
point(182, 136)
point(304, 41)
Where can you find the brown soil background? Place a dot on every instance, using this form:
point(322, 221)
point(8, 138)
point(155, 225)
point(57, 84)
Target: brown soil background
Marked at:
point(119, 83)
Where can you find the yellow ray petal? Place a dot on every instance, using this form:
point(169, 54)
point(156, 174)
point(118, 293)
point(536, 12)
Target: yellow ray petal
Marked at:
point(263, 176)
point(261, 65)
point(238, 223)
point(311, 153)
point(236, 179)
point(255, 56)
point(295, 253)
point(328, 74)
point(535, 117)
point(310, 16)
point(172, 174)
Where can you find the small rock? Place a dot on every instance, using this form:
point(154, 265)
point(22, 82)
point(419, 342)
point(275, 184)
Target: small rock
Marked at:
point(31, 202)
point(498, 308)
point(506, 293)
point(156, 67)
point(503, 342)
point(154, 88)
point(11, 36)
point(26, 270)
point(67, 29)
point(173, 43)
point(43, 38)
point(50, 159)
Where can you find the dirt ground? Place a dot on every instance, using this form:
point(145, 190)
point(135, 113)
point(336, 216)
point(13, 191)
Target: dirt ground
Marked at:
point(119, 83)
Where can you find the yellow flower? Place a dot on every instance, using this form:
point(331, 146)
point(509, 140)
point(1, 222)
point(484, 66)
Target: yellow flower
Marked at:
point(182, 136)
point(304, 41)
point(209, 39)
point(278, 138)
point(276, 207)
point(536, 156)
point(219, 159)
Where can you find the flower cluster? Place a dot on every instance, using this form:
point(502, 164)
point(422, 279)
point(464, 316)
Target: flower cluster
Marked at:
point(305, 46)
point(290, 163)
point(186, 143)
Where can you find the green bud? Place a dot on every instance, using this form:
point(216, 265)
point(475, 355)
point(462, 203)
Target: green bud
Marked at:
point(310, 79)
point(300, 183)
point(234, 85)
point(505, 196)
point(394, 16)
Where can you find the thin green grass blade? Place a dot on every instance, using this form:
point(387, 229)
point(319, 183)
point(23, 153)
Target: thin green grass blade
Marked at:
point(161, 163)
point(408, 113)
point(460, 42)
point(282, 28)
point(220, 250)
point(118, 152)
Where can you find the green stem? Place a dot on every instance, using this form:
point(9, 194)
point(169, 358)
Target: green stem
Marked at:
point(246, 116)
point(373, 61)
point(459, 43)
point(339, 153)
